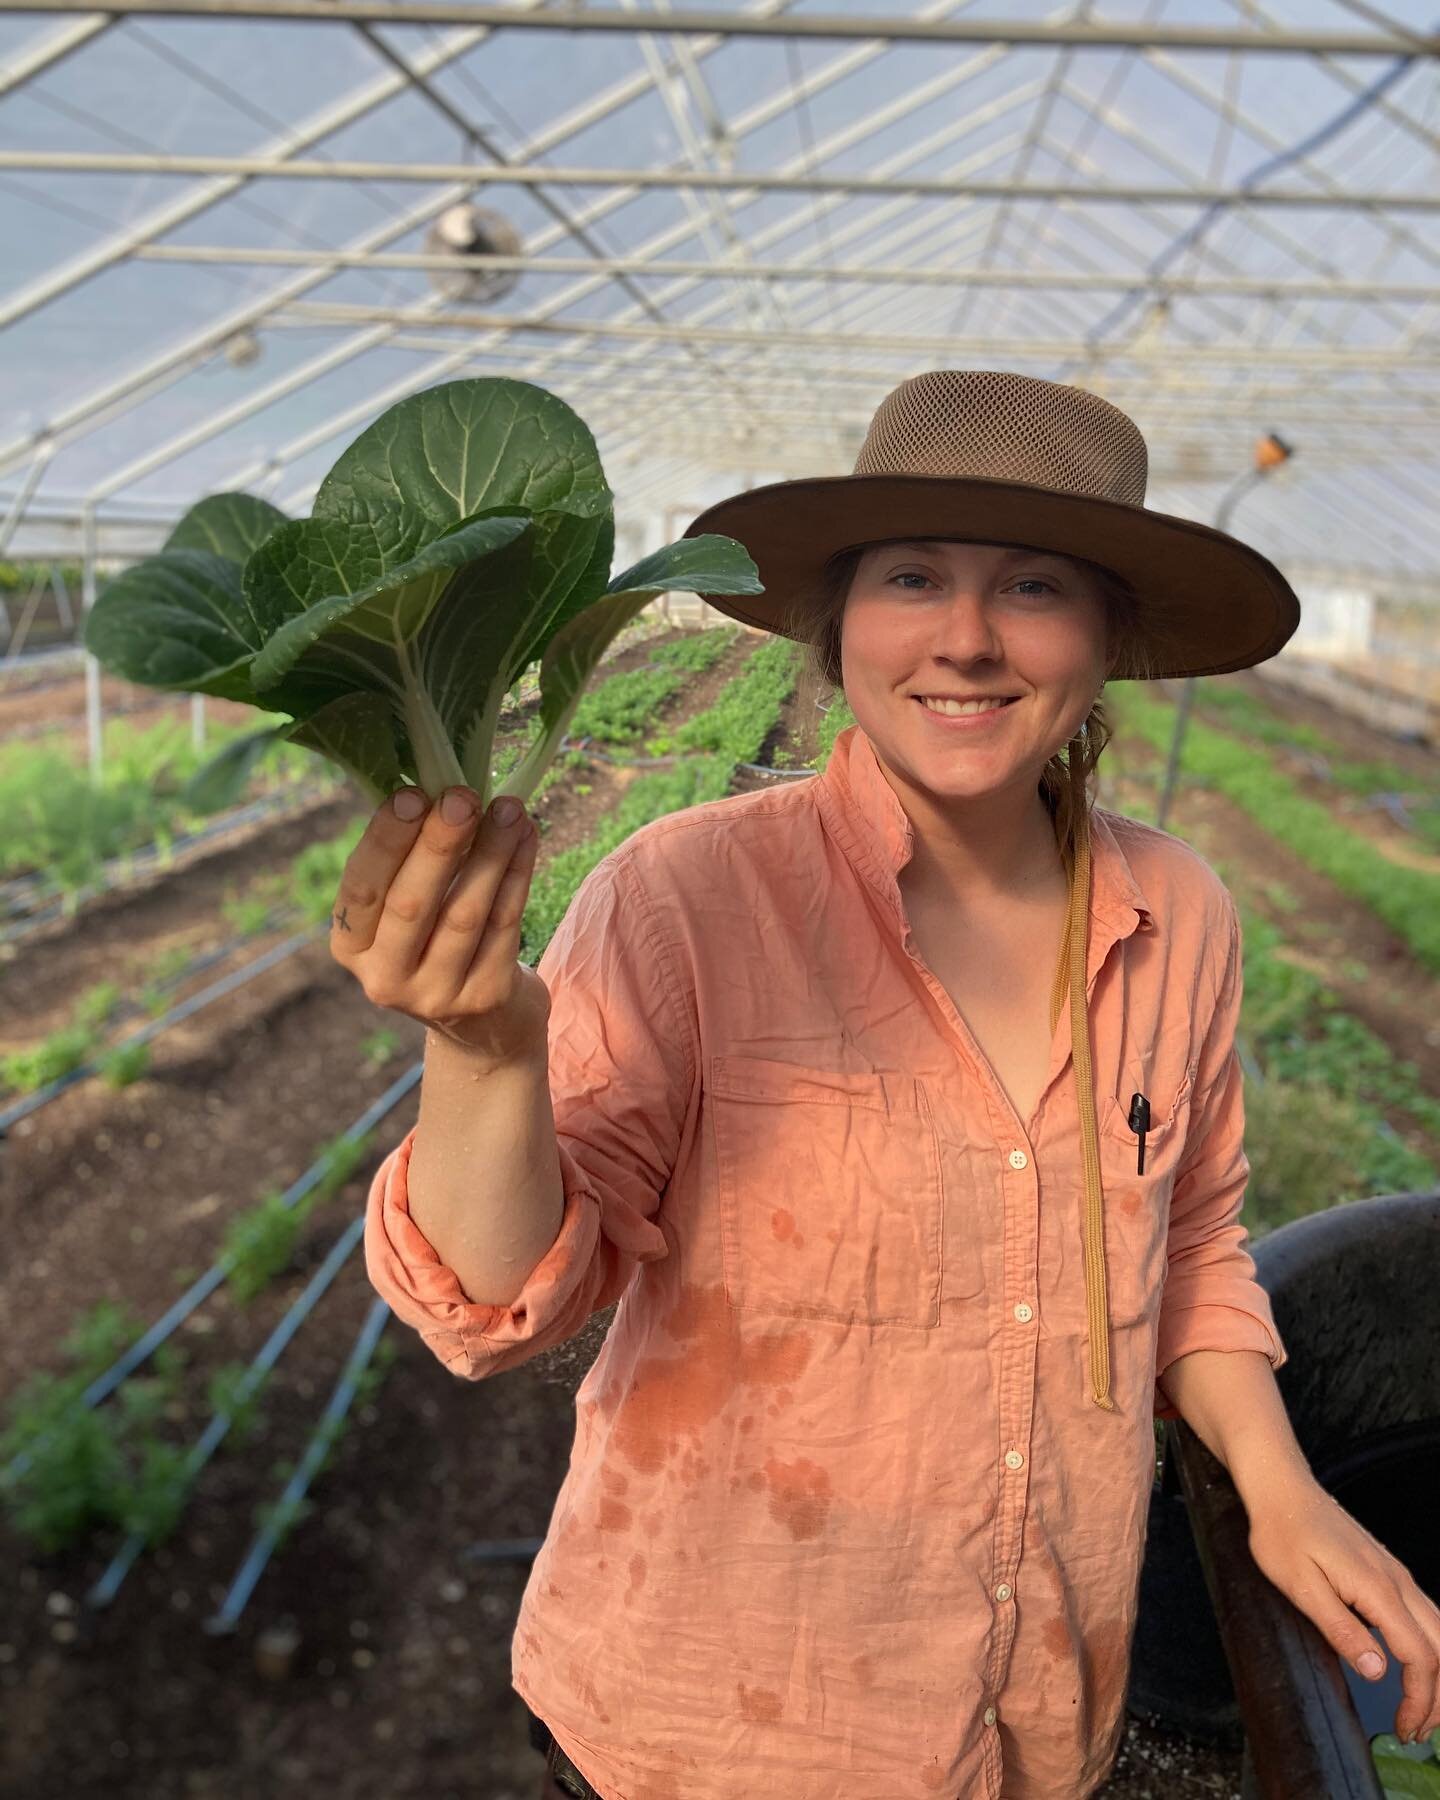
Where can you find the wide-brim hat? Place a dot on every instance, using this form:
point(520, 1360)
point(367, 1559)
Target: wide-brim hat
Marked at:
point(994, 457)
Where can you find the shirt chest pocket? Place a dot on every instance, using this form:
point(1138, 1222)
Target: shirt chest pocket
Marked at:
point(829, 1192)
point(1137, 1201)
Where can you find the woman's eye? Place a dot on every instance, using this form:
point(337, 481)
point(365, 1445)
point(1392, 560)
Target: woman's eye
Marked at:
point(909, 575)
point(1034, 581)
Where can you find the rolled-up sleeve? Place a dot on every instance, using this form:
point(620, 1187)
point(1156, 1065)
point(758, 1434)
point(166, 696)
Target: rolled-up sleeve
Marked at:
point(1212, 1299)
point(621, 1069)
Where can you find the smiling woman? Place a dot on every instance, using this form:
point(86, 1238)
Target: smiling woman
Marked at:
point(842, 1077)
point(815, 618)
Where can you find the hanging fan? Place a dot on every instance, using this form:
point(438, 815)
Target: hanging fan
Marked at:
point(470, 230)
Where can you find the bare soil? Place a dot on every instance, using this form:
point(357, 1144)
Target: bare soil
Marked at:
point(399, 1685)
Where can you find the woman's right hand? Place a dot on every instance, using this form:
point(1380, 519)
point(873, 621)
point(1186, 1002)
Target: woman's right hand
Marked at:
point(428, 920)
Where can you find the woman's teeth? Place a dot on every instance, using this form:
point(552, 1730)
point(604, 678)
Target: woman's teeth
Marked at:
point(955, 708)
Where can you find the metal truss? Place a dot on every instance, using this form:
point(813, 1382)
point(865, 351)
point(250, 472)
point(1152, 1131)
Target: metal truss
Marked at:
point(1049, 222)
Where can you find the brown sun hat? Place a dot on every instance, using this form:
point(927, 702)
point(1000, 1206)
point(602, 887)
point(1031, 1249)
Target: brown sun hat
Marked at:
point(987, 456)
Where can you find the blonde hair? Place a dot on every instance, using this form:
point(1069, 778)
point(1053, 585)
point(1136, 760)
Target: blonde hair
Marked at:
point(814, 618)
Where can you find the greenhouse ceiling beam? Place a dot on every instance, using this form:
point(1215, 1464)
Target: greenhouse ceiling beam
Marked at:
point(572, 225)
point(1259, 223)
point(613, 99)
point(786, 377)
point(1255, 288)
point(33, 59)
point(186, 206)
point(244, 168)
point(754, 119)
point(811, 27)
point(307, 314)
point(99, 407)
point(1256, 128)
point(714, 223)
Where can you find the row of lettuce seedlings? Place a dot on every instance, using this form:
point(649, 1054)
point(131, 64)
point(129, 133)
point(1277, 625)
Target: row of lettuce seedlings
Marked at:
point(729, 734)
point(613, 707)
point(31, 902)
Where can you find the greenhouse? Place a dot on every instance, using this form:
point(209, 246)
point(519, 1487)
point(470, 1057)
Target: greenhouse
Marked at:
point(554, 401)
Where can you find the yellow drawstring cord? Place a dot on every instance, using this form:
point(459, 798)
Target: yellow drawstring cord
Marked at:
point(1070, 973)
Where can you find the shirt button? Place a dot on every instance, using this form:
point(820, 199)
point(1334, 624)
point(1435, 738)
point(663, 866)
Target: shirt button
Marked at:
point(1004, 1591)
point(989, 1715)
point(1014, 1460)
point(1018, 1159)
point(1024, 1313)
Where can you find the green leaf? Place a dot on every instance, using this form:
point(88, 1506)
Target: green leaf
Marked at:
point(569, 661)
point(463, 446)
point(223, 778)
point(358, 732)
point(179, 620)
point(1387, 1744)
point(700, 565)
point(339, 580)
point(1408, 1780)
point(228, 525)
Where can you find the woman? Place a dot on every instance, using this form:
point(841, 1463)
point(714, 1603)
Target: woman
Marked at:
point(900, 1110)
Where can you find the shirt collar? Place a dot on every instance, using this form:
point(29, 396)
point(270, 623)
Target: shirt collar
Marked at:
point(864, 813)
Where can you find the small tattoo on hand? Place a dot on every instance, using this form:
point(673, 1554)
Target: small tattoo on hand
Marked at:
point(341, 919)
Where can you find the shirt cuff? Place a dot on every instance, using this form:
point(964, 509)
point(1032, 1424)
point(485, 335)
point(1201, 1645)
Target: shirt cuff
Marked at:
point(1243, 1323)
point(471, 1337)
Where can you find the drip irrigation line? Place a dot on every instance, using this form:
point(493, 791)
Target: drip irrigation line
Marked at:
point(262, 1546)
point(22, 1109)
point(207, 996)
point(654, 762)
point(205, 1446)
point(499, 1550)
point(200, 1290)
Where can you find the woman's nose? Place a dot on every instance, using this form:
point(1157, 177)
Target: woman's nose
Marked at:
point(968, 628)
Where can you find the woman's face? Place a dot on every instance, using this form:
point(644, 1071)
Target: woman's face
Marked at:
point(971, 620)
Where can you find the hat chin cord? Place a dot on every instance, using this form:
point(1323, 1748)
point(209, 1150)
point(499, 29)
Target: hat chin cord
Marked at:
point(1070, 974)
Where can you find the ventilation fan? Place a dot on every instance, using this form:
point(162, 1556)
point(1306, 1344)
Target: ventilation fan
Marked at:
point(468, 230)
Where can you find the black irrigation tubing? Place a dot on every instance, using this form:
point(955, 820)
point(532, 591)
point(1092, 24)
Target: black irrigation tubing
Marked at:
point(144, 1347)
point(36, 889)
point(502, 1550)
point(237, 978)
point(654, 762)
point(262, 1545)
point(205, 1446)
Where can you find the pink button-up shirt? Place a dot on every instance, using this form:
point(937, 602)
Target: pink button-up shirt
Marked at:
point(841, 1516)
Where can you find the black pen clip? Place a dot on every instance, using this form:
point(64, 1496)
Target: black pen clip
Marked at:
point(1139, 1123)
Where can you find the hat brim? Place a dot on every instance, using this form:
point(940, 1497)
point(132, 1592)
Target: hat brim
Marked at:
point(1226, 606)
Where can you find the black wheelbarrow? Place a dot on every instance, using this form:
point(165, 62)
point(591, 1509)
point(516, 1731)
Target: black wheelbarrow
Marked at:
point(1218, 1650)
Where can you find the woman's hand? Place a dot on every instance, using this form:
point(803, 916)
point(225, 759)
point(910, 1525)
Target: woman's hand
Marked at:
point(428, 920)
point(1326, 1563)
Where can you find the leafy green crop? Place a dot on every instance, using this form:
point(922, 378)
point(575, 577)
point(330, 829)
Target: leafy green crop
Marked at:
point(465, 534)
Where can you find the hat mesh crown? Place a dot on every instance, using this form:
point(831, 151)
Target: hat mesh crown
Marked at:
point(1005, 427)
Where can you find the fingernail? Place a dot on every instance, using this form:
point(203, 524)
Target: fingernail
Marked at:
point(506, 810)
point(456, 807)
point(1371, 1664)
point(409, 803)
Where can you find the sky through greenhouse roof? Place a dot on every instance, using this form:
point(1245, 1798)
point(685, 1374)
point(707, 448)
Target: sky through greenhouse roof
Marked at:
point(221, 258)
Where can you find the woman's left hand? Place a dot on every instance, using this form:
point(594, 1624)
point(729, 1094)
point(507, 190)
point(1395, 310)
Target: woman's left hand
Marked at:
point(1325, 1563)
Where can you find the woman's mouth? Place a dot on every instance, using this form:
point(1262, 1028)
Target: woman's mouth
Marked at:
point(967, 715)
